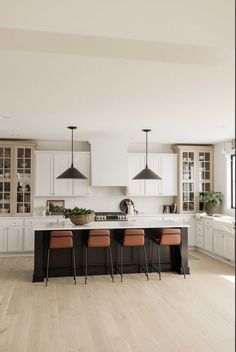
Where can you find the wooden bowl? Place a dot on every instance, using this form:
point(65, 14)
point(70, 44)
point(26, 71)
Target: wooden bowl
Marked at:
point(82, 219)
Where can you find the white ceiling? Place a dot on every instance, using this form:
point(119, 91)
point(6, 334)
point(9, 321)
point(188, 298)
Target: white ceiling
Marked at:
point(117, 67)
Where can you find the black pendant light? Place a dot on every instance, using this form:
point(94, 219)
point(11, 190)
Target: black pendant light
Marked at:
point(146, 174)
point(72, 172)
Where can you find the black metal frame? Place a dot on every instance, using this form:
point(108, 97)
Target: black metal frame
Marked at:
point(159, 259)
point(120, 271)
point(86, 262)
point(73, 260)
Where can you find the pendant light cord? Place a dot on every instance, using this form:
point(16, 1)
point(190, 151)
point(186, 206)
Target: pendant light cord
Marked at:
point(146, 149)
point(72, 150)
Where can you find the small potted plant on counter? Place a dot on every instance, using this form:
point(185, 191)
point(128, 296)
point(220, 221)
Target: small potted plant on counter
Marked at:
point(79, 216)
point(212, 200)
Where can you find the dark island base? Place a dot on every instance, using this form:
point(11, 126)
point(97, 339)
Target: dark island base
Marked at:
point(98, 261)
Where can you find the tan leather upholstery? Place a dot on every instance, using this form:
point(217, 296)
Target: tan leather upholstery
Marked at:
point(133, 238)
point(99, 238)
point(170, 237)
point(61, 239)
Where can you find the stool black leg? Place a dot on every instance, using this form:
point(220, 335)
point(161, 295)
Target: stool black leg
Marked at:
point(145, 257)
point(111, 262)
point(151, 257)
point(139, 259)
point(182, 262)
point(73, 252)
point(47, 266)
point(86, 264)
point(121, 263)
point(159, 261)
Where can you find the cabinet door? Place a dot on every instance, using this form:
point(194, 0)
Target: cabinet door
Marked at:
point(29, 238)
point(44, 174)
point(3, 239)
point(229, 247)
point(208, 243)
point(14, 239)
point(62, 187)
point(83, 164)
point(168, 184)
point(218, 242)
point(153, 187)
point(135, 165)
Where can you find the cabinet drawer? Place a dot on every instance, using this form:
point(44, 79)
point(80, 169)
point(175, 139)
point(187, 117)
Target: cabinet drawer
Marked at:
point(11, 222)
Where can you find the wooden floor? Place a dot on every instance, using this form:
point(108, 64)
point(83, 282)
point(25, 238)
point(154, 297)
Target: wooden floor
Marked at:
point(192, 315)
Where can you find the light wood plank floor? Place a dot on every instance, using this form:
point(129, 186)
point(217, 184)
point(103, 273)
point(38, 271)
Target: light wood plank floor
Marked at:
point(193, 315)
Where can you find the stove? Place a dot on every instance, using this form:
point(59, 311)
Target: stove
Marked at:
point(111, 216)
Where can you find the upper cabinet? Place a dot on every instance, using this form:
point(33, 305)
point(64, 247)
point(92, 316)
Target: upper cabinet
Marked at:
point(195, 176)
point(49, 165)
point(16, 178)
point(165, 165)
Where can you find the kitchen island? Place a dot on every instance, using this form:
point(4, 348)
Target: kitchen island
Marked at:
point(60, 262)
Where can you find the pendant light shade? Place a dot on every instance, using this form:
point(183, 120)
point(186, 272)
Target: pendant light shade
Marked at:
point(72, 172)
point(146, 173)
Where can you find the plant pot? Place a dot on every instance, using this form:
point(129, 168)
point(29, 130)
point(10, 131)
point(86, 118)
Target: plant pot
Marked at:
point(82, 219)
point(211, 210)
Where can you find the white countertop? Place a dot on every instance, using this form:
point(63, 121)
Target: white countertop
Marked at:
point(108, 225)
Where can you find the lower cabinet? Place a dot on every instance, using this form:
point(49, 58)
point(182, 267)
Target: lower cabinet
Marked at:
point(17, 235)
point(11, 237)
point(223, 244)
point(28, 239)
point(208, 239)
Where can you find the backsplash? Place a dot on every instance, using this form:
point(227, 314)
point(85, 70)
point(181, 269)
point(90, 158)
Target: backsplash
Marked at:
point(107, 199)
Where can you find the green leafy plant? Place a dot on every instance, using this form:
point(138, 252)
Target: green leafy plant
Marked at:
point(76, 211)
point(213, 199)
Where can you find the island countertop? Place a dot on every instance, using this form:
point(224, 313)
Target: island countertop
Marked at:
point(130, 224)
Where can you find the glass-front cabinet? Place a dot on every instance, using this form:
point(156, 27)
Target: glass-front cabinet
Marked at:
point(16, 179)
point(195, 176)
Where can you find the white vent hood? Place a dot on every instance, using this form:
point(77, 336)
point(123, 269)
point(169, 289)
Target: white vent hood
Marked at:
point(109, 161)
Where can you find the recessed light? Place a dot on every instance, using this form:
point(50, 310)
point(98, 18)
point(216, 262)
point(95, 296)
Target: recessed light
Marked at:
point(221, 126)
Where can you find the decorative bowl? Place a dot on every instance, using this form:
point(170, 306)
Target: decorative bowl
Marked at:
point(82, 219)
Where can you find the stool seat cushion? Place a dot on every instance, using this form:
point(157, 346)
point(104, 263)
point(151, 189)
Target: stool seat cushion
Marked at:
point(169, 237)
point(61, 239)
point(133, 238)
point(99, 238)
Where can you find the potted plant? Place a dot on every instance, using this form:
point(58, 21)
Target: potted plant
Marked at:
point(212, 200)
point(79, 216)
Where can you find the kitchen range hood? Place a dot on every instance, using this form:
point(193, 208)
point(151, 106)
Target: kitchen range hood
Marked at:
point(109, 161)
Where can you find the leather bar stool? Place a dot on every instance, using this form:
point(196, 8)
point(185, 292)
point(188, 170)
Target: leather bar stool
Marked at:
point(169, 237)
point(133, 238)
point(98, 239)
point(61, 240)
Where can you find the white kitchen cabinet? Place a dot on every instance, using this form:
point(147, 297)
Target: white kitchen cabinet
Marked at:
point(164, 165)
point(135, 165)
point(199, 233)
point(229, 248)
point(223, 244)
point(44, 174)
point(49, 165)
point(3, 239)
point(11, 235)
point(208, 236)
point(14, 239)
point(61, 162)
point(28, 245)
point(218, 240)
point(82, 163)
